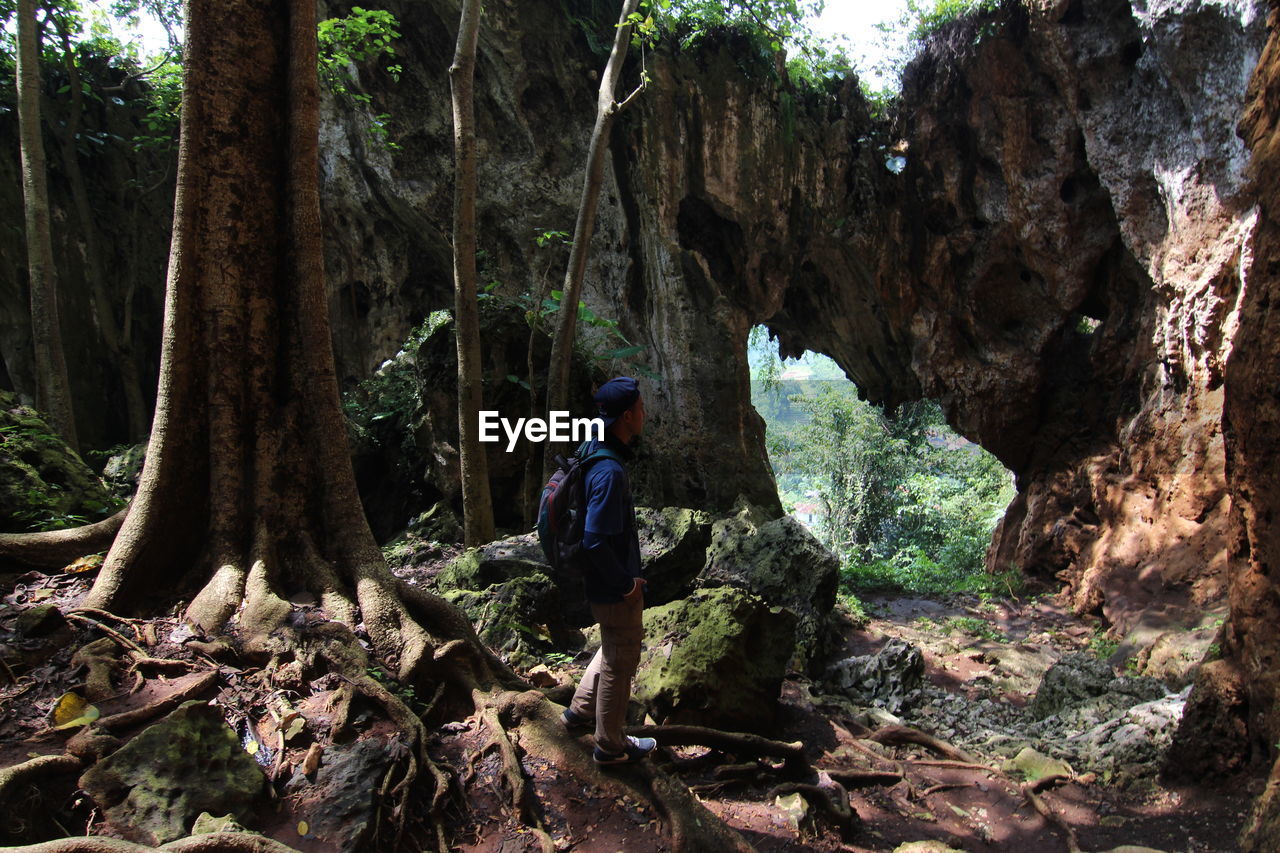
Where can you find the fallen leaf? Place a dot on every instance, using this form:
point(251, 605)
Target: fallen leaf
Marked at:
point(41, 594)
point(303, 827)
point(312, 760)
point(292, 725)
point(251, 747)
point(84, 564)
point(73, 710)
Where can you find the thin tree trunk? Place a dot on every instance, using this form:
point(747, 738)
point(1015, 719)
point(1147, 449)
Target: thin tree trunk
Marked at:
point(53, 390)
point(606, 110)
point(477, 505)
point(104, 314)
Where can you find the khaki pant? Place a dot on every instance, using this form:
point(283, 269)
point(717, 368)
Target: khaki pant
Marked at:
point(605, 688)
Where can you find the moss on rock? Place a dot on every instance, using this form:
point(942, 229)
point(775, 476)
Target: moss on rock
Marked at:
point(44, 484)
point(717, 659)
point(779, 560)
point(673, 548)
point(153, 788)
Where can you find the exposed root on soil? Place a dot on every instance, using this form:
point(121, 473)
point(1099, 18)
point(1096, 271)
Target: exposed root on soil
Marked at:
point(689, 824)
point(792, 754)
point(828, 798)
point(57, 548)
point(1073, 841)
point(34, 770)
point(214, 842)
point(864, 778)
point(119, 638)
point(202, 683)
point(902, 735)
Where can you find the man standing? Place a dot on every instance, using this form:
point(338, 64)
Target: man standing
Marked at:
point(611, 574)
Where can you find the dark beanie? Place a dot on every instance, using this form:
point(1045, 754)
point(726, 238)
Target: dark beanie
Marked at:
point(615, 397)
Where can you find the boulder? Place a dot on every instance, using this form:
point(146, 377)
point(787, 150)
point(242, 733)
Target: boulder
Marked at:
point(438, 524)
point(779, 560)
point(505, 590)
point(496, 562)
point(341, 806)
point(43, 483)
point(673, 549)
point(886, 679)
point(123, 469)
point(523, 619)
point(716, 659)
point(1080, 685)
point(1175, 656)
point(1130, 745)
point(154, 787)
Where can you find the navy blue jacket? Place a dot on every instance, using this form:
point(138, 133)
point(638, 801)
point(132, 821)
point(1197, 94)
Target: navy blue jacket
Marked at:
point(609, 540)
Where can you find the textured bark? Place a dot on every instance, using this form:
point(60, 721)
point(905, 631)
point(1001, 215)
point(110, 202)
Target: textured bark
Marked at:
point(607, 109)
point(53, 391)
point(477, 505)
point(247, 492)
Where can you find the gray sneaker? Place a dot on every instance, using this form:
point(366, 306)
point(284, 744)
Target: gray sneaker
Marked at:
point(637, 749)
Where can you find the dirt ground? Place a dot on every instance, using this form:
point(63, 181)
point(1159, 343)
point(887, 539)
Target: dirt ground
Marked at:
point(900, 790)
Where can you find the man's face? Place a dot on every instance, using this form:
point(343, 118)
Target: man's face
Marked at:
point(634, 417)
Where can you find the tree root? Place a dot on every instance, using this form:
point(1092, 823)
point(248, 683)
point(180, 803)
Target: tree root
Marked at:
point(55, 549)
point(121, 639)
point(1028, 791)
point(902, 735)
point(958, 765)
point(690, 825)
point(27, 771)
point(830, 799)
point(160, 706)
point(214, 842)
point(792, 754)
point(864, 778)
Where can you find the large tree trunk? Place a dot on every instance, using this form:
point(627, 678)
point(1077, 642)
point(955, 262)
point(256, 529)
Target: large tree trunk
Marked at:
point(477, 505)
point(607, 109)
point(53, 391)
point(248, 480)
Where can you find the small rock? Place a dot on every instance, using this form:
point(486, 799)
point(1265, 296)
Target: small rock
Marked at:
point(925, 847)
point(40, 621)
point(1035, 766)
point(207, 824)
point(340, 807)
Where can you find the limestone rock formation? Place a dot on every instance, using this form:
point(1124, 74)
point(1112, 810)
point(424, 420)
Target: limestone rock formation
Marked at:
point(153, 788)
point(42, 481)
point(886, 679)
point(779, 560)
point(715, 659)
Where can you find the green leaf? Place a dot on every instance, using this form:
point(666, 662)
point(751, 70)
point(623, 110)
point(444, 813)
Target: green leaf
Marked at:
point(625, 352)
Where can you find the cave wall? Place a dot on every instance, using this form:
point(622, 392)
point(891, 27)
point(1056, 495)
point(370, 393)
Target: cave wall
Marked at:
point(1234, 713)
point(1060, 262)
point(1081, 223)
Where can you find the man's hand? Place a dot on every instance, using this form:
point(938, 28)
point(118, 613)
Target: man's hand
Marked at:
point(637, 591)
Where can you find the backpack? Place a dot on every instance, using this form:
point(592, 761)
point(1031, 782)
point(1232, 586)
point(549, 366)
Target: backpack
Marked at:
point(562, 514)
